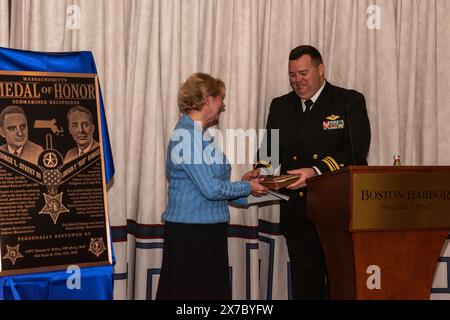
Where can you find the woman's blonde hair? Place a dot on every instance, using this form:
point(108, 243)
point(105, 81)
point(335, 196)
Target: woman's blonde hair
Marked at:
point(194, 91)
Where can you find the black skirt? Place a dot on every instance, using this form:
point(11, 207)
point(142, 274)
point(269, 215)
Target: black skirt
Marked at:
point(195, 262)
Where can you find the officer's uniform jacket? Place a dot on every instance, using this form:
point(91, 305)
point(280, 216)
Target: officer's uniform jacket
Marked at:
point(321, 136)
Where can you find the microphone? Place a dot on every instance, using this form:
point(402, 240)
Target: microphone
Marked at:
point(349, 126)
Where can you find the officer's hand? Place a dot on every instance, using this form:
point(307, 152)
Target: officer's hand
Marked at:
point(250, 175)
point(304, 173)
point(257, 189)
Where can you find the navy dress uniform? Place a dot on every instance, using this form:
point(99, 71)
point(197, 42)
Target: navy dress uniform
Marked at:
point(318, 138)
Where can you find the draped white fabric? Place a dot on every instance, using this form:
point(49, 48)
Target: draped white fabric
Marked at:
point(4, 23)
point(397, 53)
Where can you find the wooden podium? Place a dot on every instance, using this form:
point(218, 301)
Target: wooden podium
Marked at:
point(381, 228)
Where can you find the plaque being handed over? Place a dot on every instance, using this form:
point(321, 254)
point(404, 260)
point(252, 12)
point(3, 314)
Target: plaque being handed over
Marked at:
point(53, 210)
point(279, 182)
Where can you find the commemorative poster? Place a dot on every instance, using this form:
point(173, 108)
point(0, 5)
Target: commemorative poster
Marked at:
point(53, 210)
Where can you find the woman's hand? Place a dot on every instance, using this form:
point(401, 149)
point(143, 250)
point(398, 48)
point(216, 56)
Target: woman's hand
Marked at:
point(257, 189)
point(250, 175)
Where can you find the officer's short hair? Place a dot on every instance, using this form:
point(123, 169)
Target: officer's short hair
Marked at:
point(296, 53)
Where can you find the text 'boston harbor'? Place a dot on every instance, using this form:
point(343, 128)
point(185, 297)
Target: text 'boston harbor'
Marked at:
point(405, 194)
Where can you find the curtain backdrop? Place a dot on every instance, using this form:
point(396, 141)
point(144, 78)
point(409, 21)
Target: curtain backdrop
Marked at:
point(4, 23)
point(396, 53)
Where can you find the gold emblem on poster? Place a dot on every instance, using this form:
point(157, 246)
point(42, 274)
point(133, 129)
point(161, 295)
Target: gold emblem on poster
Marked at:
point(13, 254)
point(97, 246)
point(53, 206)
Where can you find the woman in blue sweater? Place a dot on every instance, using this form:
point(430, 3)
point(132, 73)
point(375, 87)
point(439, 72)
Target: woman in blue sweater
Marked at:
point(195, 256)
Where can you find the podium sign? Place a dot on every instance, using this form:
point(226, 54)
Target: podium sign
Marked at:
point(53, 210)
point(402, 200)
point(381, 229)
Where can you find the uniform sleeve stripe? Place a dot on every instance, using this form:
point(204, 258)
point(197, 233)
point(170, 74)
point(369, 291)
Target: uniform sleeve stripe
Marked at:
point(334, 162)
point(328, 163)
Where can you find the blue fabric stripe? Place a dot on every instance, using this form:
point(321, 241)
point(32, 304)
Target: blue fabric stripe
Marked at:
point(142, 231)
point(246, 232)
point(145, 231)
point(118, 234)
point(269, 227)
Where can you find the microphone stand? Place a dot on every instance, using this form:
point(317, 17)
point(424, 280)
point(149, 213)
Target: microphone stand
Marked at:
point(349, 126)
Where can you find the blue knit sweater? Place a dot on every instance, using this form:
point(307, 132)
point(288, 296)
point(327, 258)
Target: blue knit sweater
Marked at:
point(199, 178)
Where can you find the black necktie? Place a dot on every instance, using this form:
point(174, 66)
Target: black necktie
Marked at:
point(308, 105)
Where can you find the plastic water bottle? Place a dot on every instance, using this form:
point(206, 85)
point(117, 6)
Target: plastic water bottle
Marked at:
point(397, 160)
